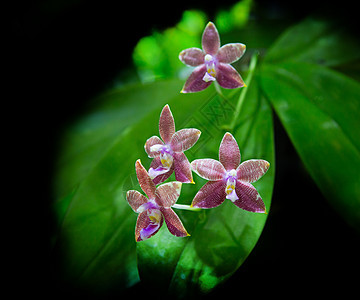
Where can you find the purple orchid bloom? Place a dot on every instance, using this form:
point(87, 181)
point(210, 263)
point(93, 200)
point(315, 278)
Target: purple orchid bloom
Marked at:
point(169, 155)
point(157, 207)
point(228, 179)
point(212, 63)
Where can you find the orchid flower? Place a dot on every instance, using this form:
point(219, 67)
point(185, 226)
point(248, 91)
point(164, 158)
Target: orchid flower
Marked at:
point(157, 207)
point(168, 153)
point(212, 63)
point(228, 179)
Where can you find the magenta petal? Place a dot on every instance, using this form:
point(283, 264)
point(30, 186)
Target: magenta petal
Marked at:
point(166, 124)
point(135, 199)
point(252, 170)
point(249, 198)
point(168, 193)
point(229, 152)
point(195, 82)
point(173, 222)
point(228, 77)
point(184, 139)
point(212, 194)
point(209, 169)
point(182, 168)
point(210, 39)
point(154, 140)
point(161, 178)
point(144, 179)
point(230, 53)
point(192, 57)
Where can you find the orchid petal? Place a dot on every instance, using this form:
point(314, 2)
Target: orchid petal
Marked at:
point(211, 195)
point(168, 193)
point(230, 53)
point(150, 150)
point(182, 168)
point(228, 77)
point(192, 57)
point(195, 82)
point(162, 177)
point(135, 199)
point(145, 228)
point(229, 153)
point(249, 198)
point(173, 222)
point(184, 139)
point(210, 39)
point(158, 171)
point(209, 169)
point(252, 170)
point(144, 179)
point(166, 124)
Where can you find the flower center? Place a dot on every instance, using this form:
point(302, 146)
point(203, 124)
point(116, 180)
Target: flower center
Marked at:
point(165, 157)
point(231, 178)
point(210, 68)
point(166, 160)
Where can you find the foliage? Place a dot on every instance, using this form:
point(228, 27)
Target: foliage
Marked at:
point(297, 76)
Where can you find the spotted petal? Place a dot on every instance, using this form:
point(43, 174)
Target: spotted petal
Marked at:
point(184, 139)
point(166, 124)
point(173, 222)
point(168, 193)
point(144, 179)
point(195, 82)
point(230, 53)
point(228, 77)
point(209, 169)
point(249, 198)
point(212, 194)
point(252, 170)
point(229, 153)
point(135, 199)
point(210, 39)
point(192, 57)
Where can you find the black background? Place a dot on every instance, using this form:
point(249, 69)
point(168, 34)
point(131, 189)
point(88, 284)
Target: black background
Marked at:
point(60, 55)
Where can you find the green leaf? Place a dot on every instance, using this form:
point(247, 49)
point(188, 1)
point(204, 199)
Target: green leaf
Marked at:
point(221, 238)
point(319, 109)
point(315, 41)
point(96, 238)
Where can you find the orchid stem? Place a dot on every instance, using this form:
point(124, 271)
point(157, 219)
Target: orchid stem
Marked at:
point(219, 91)
point(242, 96)
point(186, 207)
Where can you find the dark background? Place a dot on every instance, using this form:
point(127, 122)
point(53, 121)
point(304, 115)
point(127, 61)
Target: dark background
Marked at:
point(62, 54)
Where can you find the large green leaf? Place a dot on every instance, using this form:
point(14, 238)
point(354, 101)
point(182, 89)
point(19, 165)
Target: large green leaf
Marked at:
point(221, 238)
point(319, 109)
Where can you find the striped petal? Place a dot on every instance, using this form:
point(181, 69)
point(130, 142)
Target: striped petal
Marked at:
point(230, 53)
point(145, 228)
point(168, 193)
point(144, 179)
point(173, 222)
point(209, 169)
point(182, 168)
point(211, 195)
point(252, 170)
point(195, 82)
point(249, 198)
point(166, 124)
point(228, 77)
point(154, 151)
point(229, 153)
point(192, 57)
point(210, 39)
point(135, 199)
point(184, 139)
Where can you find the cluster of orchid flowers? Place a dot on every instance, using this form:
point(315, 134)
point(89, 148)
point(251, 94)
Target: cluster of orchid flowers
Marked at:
point(227, 177)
